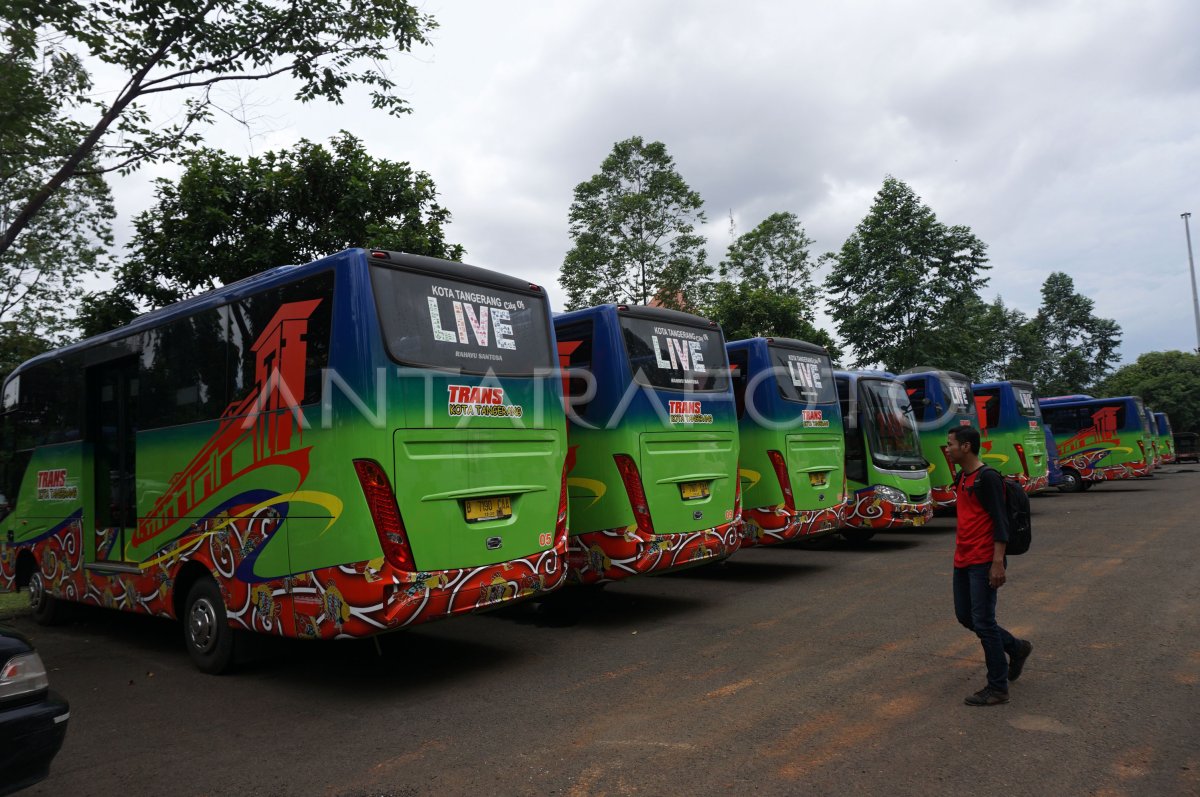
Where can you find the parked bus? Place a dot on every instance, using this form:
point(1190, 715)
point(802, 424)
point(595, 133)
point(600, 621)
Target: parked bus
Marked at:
point(230, 460)
point(1099, 439)
point(887, 477)
point(1166, 437)
point(1156, 441)
point(652, 429)
point(941, 401)
point(1010, 425)
point(792, 463)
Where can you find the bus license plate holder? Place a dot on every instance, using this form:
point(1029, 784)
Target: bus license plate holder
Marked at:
point(480, 510)
point(694, 491)
point(820, 479)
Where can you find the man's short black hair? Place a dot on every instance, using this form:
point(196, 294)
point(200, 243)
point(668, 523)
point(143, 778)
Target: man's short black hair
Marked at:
point(968, 436)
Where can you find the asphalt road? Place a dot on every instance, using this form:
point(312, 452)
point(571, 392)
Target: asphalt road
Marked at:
point(784, 671)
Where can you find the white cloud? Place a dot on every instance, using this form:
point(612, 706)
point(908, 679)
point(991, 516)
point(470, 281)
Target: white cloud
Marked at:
point(1063, 132)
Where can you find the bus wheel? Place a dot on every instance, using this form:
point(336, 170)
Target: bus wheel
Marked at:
point(206, 628)
point(857, 536)
point(47, 609)
point(1071, 483)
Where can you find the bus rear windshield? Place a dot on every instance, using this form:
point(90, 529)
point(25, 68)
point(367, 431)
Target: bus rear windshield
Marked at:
point(675, 357)
point(1026, 402)
point(433, 321)
point(804, 376)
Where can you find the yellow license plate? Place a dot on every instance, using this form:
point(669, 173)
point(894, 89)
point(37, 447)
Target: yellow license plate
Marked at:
point(693, 490)
point(818, 479)
point(480, 509)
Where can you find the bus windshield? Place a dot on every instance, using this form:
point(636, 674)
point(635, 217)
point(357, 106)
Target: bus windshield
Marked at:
point(805, 376)
point(432, 321)
point(671, 356)
point(1141, 411)
point(890, 425)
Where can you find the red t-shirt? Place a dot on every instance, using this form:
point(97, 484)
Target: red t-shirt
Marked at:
point(974, 543)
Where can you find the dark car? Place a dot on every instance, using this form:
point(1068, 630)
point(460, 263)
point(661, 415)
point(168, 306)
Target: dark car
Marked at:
point(33, 720)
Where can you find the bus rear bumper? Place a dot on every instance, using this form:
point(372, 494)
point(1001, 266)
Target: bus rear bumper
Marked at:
point(772, 525)
point(615, 554)
point(354, 601)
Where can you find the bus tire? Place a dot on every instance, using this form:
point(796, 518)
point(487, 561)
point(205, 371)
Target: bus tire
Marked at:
point(47, 609)
point(857, 535)
point(1088, 485)
point(206, 630)
point(1071, 483)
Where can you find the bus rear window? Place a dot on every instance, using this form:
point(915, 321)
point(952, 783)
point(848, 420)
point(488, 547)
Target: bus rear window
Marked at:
point(1026, 402)
point(435, 322)
point(806, 377)
point(674, 356)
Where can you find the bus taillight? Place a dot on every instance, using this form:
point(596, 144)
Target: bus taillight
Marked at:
point(635, 491)
point(1021, 453)
point(384, 512)
point(560, 526)
point(785, 481)
point(737, 495)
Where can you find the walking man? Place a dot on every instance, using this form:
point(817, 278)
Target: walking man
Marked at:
point(979, 562)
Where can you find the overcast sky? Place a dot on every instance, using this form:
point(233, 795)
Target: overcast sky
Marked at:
point(1065, 134)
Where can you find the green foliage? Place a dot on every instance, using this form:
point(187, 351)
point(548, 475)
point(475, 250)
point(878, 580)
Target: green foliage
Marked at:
point(633, 225)
point(1065, 348)
point(192, 51)
point(746, 311)
point(898, 286)
point(18, 344)
point(40, 273)
point(1168, 381)
point(228, 218)
point(766, 286)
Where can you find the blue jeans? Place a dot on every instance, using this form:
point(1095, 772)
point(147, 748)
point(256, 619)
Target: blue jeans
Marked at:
point(975, 607)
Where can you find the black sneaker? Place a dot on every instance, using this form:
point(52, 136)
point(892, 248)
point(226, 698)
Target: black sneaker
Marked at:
point(1016, 662)
point(987, 696)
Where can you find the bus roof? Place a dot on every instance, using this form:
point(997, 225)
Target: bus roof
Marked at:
point(787, 343)
point(273, 277)
point(639, 311)
point(1000, 383)
point(926, 371)
point(1065, 400)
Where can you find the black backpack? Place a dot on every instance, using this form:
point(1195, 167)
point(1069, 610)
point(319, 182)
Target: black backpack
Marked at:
point(1016, 509)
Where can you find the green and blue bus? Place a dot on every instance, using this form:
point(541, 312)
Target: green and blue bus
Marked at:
point(1010, 427)
point(1166, 436)
point(652, 475)
point(792, 463)
point(366, 442)
point(887, 476)
point(1156, 441)
point(941, 401)
point(1099, 439)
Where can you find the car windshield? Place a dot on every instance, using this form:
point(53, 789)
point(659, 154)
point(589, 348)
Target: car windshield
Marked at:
point(889, 423)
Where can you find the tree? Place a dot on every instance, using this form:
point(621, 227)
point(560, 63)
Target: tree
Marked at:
point(745, 311)
point(1168, 381)
point(1065, 348)
point(766, 286)
point(227, 218)
point(898, 280)
point(633, 225)
point(191, 50)
point(40, 274)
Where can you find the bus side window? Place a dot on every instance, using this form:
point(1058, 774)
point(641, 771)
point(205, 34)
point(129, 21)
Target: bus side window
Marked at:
point(575, 358)
point(739, 366)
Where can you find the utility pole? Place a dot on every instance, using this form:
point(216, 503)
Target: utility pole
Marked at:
point(1192, 269)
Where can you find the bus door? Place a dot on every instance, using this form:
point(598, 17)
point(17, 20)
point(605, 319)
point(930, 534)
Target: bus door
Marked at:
point(112, 390)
